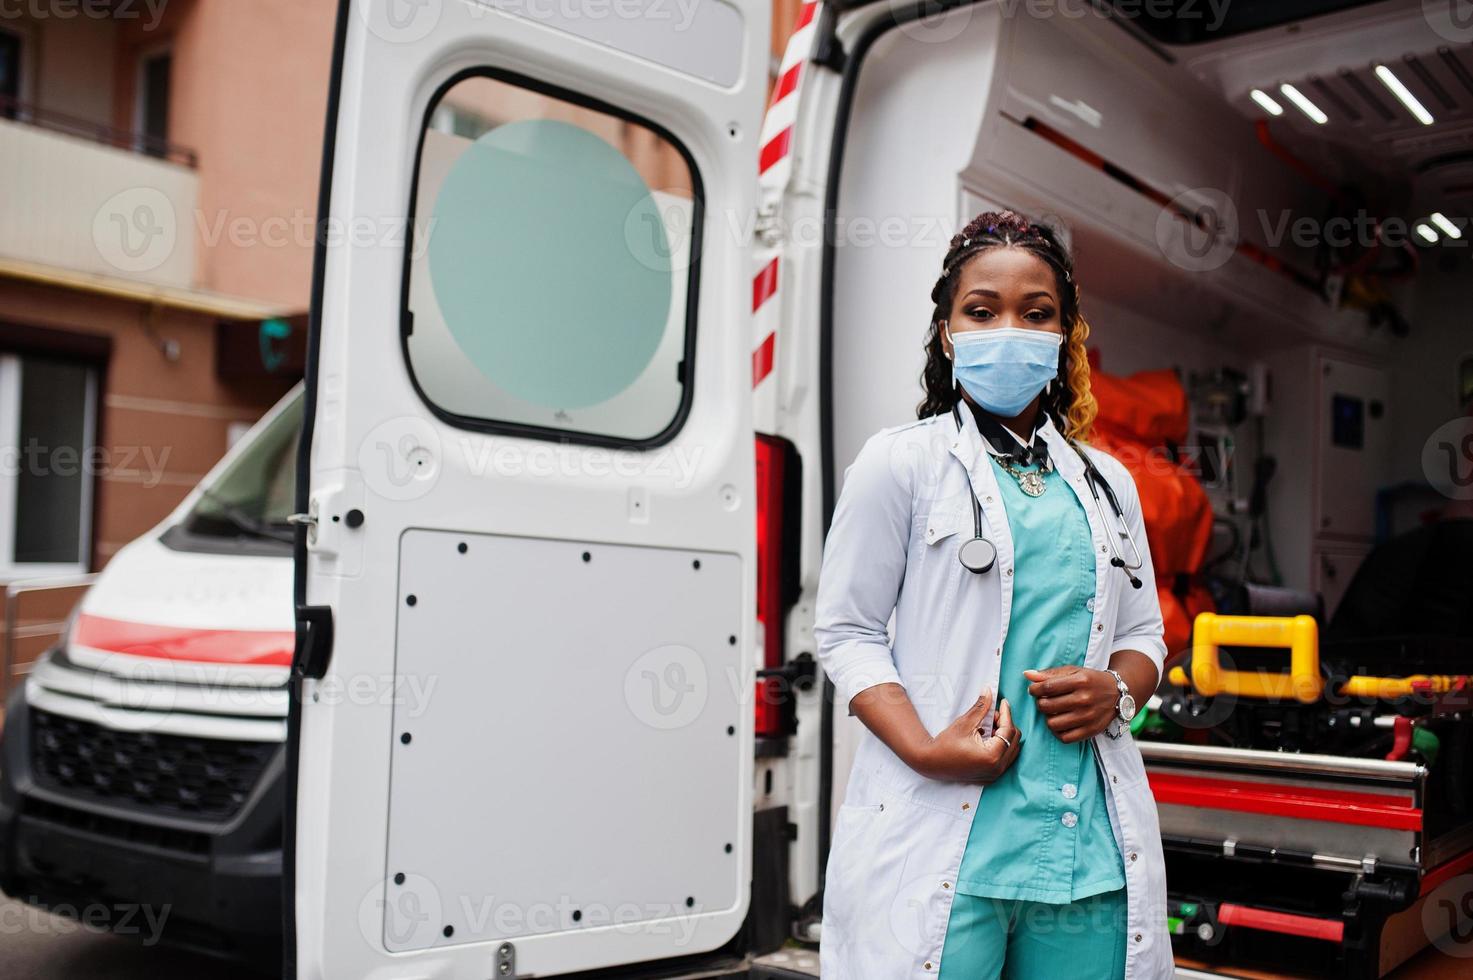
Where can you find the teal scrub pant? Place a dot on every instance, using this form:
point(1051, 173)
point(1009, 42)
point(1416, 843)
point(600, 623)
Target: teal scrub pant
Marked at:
point(994, 938)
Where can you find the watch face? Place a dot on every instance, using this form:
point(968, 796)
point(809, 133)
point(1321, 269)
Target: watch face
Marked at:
point(1127, 707)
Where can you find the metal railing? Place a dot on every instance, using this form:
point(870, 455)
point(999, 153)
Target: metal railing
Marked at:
point(67, 124)
point(10, 630)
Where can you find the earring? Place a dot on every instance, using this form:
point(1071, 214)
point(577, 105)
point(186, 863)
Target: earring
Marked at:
point(946, 332)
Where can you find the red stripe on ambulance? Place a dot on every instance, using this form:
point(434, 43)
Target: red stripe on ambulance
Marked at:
point(269, 648)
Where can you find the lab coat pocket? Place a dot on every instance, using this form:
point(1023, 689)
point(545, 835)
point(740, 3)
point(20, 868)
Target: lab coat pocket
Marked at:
point(848, 879)
point(939, 527)
point(941, 532)
point(855, 826)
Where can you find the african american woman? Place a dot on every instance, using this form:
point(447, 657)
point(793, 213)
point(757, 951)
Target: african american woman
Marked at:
point(997, 820)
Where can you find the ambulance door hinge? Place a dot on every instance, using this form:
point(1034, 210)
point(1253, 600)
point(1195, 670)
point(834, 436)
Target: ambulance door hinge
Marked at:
point(314, 642)
point(768, 228)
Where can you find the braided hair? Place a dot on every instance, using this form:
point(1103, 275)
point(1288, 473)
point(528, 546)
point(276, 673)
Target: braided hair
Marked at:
point(1069, 402)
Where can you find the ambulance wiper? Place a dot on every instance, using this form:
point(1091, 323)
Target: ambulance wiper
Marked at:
point(245, 522)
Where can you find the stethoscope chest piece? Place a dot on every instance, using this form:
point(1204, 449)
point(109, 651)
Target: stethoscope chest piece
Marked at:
point(977, 554)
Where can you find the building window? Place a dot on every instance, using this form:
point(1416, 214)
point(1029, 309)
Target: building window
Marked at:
point(48, 463)
point(153, 102)
point(9, 74)
point(551, 274)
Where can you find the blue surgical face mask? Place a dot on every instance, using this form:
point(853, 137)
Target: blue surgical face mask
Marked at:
point(1004, 368)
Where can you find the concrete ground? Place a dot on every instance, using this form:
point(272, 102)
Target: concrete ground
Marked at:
point(38, 946)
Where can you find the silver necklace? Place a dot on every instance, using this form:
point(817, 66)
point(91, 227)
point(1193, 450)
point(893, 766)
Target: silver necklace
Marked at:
point(1029, 481)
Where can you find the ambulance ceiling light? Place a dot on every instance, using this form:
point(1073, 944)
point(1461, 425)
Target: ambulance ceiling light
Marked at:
point(1425, 230)
point(1266, 102)
point(1389, 79)
point(1302, 103)
point(1448, 228)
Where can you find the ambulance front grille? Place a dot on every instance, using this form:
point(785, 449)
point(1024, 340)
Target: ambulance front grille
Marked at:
point(170, 774)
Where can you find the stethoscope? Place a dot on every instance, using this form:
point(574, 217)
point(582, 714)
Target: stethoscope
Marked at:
point(979, 555)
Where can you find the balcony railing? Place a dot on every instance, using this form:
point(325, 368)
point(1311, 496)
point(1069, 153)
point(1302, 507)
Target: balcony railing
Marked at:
point(23, 638)
point(82, 197)
point(61, 122)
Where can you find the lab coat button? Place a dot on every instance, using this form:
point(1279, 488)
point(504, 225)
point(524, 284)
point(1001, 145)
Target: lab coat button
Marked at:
point(1008, 572)
point(1133, 855)
point(1069, 790)
point(1137, 937)
point(966, 806)
point(946, 884)
point(1069, 819)
point(928, 964)
point(1099, 627)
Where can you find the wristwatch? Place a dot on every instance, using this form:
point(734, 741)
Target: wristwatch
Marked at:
point(1124, 708)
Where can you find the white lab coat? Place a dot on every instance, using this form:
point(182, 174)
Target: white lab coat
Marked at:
point(899, 836)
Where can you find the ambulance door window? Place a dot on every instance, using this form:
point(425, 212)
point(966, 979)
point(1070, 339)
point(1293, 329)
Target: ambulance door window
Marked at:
point(551, 281)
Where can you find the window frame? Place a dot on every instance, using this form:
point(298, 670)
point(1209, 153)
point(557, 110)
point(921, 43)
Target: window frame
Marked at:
point(686, 365)
point(12, 369)
point(144, 141)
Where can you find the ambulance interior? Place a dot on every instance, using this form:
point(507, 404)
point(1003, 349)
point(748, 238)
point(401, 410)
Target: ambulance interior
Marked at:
point(1292, 378)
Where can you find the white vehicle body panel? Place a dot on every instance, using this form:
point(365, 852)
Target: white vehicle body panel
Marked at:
point(369, 426)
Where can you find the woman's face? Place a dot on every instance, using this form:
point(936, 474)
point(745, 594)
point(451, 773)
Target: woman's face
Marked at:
point(1005, 287)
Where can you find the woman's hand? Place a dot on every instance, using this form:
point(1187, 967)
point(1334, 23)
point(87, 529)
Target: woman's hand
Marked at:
point(1077, 702)
point(961, 753)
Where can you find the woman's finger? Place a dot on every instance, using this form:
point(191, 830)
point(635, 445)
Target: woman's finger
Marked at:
point(1065, 702)
point(1054, 683)
point(1011, 753)
point(1077, 735)
point(977, 714)
point(1067, 721)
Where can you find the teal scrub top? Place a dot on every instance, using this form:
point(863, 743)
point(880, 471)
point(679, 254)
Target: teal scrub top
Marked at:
point(1041, 832)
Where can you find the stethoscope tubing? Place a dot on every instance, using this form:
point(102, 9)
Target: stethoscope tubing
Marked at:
point(979, 555)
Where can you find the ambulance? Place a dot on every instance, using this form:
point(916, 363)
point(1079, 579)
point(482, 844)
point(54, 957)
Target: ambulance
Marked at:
point(489, 652)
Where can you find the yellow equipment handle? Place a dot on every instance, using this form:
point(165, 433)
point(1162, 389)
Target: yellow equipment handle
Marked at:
point(1299, 633)
point(1303, 682)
